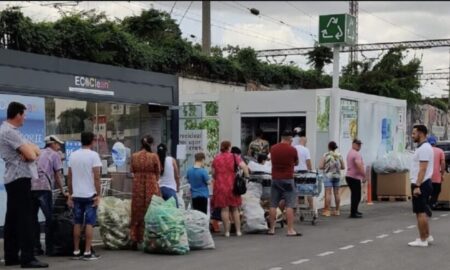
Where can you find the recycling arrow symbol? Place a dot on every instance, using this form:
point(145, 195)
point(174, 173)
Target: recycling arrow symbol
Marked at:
point(326, 32)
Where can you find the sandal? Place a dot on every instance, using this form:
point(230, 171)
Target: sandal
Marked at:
point(293, 235)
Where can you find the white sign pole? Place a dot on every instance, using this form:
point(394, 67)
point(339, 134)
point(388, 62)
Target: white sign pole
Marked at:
point(335, 99)
point(336, 51)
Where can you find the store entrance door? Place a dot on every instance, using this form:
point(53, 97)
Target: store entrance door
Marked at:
point(272, 127)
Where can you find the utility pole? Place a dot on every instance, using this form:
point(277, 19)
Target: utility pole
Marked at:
point(448, 81)
point(354, 12)
point(206, 27)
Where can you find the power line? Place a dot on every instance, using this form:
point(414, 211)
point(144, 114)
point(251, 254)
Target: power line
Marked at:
point(258, 34)
point(396, 25)
point(190, 4)
point(171, 10)
point(297, 8)
point(280, 22)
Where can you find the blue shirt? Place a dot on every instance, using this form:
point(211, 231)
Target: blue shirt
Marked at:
point(198, 179)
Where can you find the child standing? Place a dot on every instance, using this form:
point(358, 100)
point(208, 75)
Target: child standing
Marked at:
point(198, 178)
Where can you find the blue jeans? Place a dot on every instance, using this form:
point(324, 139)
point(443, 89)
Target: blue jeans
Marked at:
point(84, 211)
point(168, 193)
point(42, 199)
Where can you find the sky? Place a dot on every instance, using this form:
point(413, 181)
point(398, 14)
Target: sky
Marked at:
point(288, 24)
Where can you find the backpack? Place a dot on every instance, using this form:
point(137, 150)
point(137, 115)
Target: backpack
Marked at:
point(332, 164)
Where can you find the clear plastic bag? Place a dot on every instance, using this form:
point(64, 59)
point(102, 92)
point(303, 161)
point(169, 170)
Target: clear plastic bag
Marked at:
point(197, 227)
point(114, 216)
point(393, 162)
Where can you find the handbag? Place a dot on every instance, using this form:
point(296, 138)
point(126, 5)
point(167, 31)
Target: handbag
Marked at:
point(239, 187)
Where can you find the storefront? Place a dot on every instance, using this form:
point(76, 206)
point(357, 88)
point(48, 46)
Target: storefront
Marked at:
point(65, 97)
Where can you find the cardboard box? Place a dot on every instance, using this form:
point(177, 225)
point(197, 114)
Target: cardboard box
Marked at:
point(444, 196)
point(393, 184)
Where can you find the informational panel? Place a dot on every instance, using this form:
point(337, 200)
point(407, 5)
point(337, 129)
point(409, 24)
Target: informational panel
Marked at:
point(382, 129)
point(33, 129)
point(323, 113)
point(348, 130)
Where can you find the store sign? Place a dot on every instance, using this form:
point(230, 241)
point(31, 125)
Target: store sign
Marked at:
point(91, 85)
point(195, 140)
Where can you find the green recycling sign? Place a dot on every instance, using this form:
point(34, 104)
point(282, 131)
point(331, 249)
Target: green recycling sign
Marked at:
point(337, 29)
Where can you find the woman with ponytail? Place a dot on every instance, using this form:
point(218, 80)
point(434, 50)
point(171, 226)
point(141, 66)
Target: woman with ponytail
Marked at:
point(146, 169)
point(169, 181)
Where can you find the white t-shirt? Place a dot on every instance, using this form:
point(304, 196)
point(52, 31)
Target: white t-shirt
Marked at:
point(295, 140)
point(168, 177)
point(256, 167)
point(303, 156)
point(81, 163)
point(423, 153)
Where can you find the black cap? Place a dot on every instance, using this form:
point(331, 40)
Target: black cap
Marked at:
point(357, 141)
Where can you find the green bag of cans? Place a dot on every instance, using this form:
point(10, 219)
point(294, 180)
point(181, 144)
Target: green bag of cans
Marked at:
point(165, 230)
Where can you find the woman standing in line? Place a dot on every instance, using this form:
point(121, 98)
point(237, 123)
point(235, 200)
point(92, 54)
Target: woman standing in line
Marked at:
point(223, 171)
point(169, 181)
point(332, 163)
point(146, 169)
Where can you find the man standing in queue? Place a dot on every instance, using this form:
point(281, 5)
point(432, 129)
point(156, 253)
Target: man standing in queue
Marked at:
point(284, 158)
point(355, 175)
point(421, 185)
point(19, 156)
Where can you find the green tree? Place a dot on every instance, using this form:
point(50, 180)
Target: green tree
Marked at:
point(319, 57)
point(389, 77)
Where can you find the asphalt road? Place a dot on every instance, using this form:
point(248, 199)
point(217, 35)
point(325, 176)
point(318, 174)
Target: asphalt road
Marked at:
point(378, 241)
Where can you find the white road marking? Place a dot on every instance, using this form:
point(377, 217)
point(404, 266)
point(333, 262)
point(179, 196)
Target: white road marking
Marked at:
point(411, 227)
point(276, 268)
point(398, 231)
point(382, 236)
point(366, 241)
point(444, 215)
point(325, 253)
point(347, 247)
point(300, 261)
point(435, 218)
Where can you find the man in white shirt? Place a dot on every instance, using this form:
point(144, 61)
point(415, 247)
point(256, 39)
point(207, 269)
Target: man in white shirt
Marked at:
point(304, 163)
point(421, 185)
point(84, 189)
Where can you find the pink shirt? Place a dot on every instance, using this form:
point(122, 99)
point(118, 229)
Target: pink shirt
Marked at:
point(352, 169)
point(439, 156)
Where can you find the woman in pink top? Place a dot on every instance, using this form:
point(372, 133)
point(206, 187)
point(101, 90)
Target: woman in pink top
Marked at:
point(438, 170)
point(355, 174)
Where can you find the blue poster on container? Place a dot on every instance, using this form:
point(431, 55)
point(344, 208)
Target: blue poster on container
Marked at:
point(33, 129)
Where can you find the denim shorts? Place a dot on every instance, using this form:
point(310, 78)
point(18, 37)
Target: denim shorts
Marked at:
point(84, 211)
point(168, 193)
point(333, 182)
point(283, 189)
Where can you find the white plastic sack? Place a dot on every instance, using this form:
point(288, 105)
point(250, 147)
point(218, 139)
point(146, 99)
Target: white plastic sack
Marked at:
point(114, 216)
point(392, 162)
point(197, 227)
point(253, 212)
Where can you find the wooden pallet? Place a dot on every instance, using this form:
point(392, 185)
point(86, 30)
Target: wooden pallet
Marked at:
point(391, 198)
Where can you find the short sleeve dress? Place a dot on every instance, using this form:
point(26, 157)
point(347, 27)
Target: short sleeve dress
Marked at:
point(223, 196)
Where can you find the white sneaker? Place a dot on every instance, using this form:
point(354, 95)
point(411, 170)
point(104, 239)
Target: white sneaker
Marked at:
point(430, 239)
point(227, 234)
point(418, 243)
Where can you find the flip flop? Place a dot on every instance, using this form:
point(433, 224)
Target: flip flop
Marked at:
point(270, 233)
point(293, 235)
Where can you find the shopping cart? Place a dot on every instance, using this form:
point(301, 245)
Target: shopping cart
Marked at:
point(308, 183)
